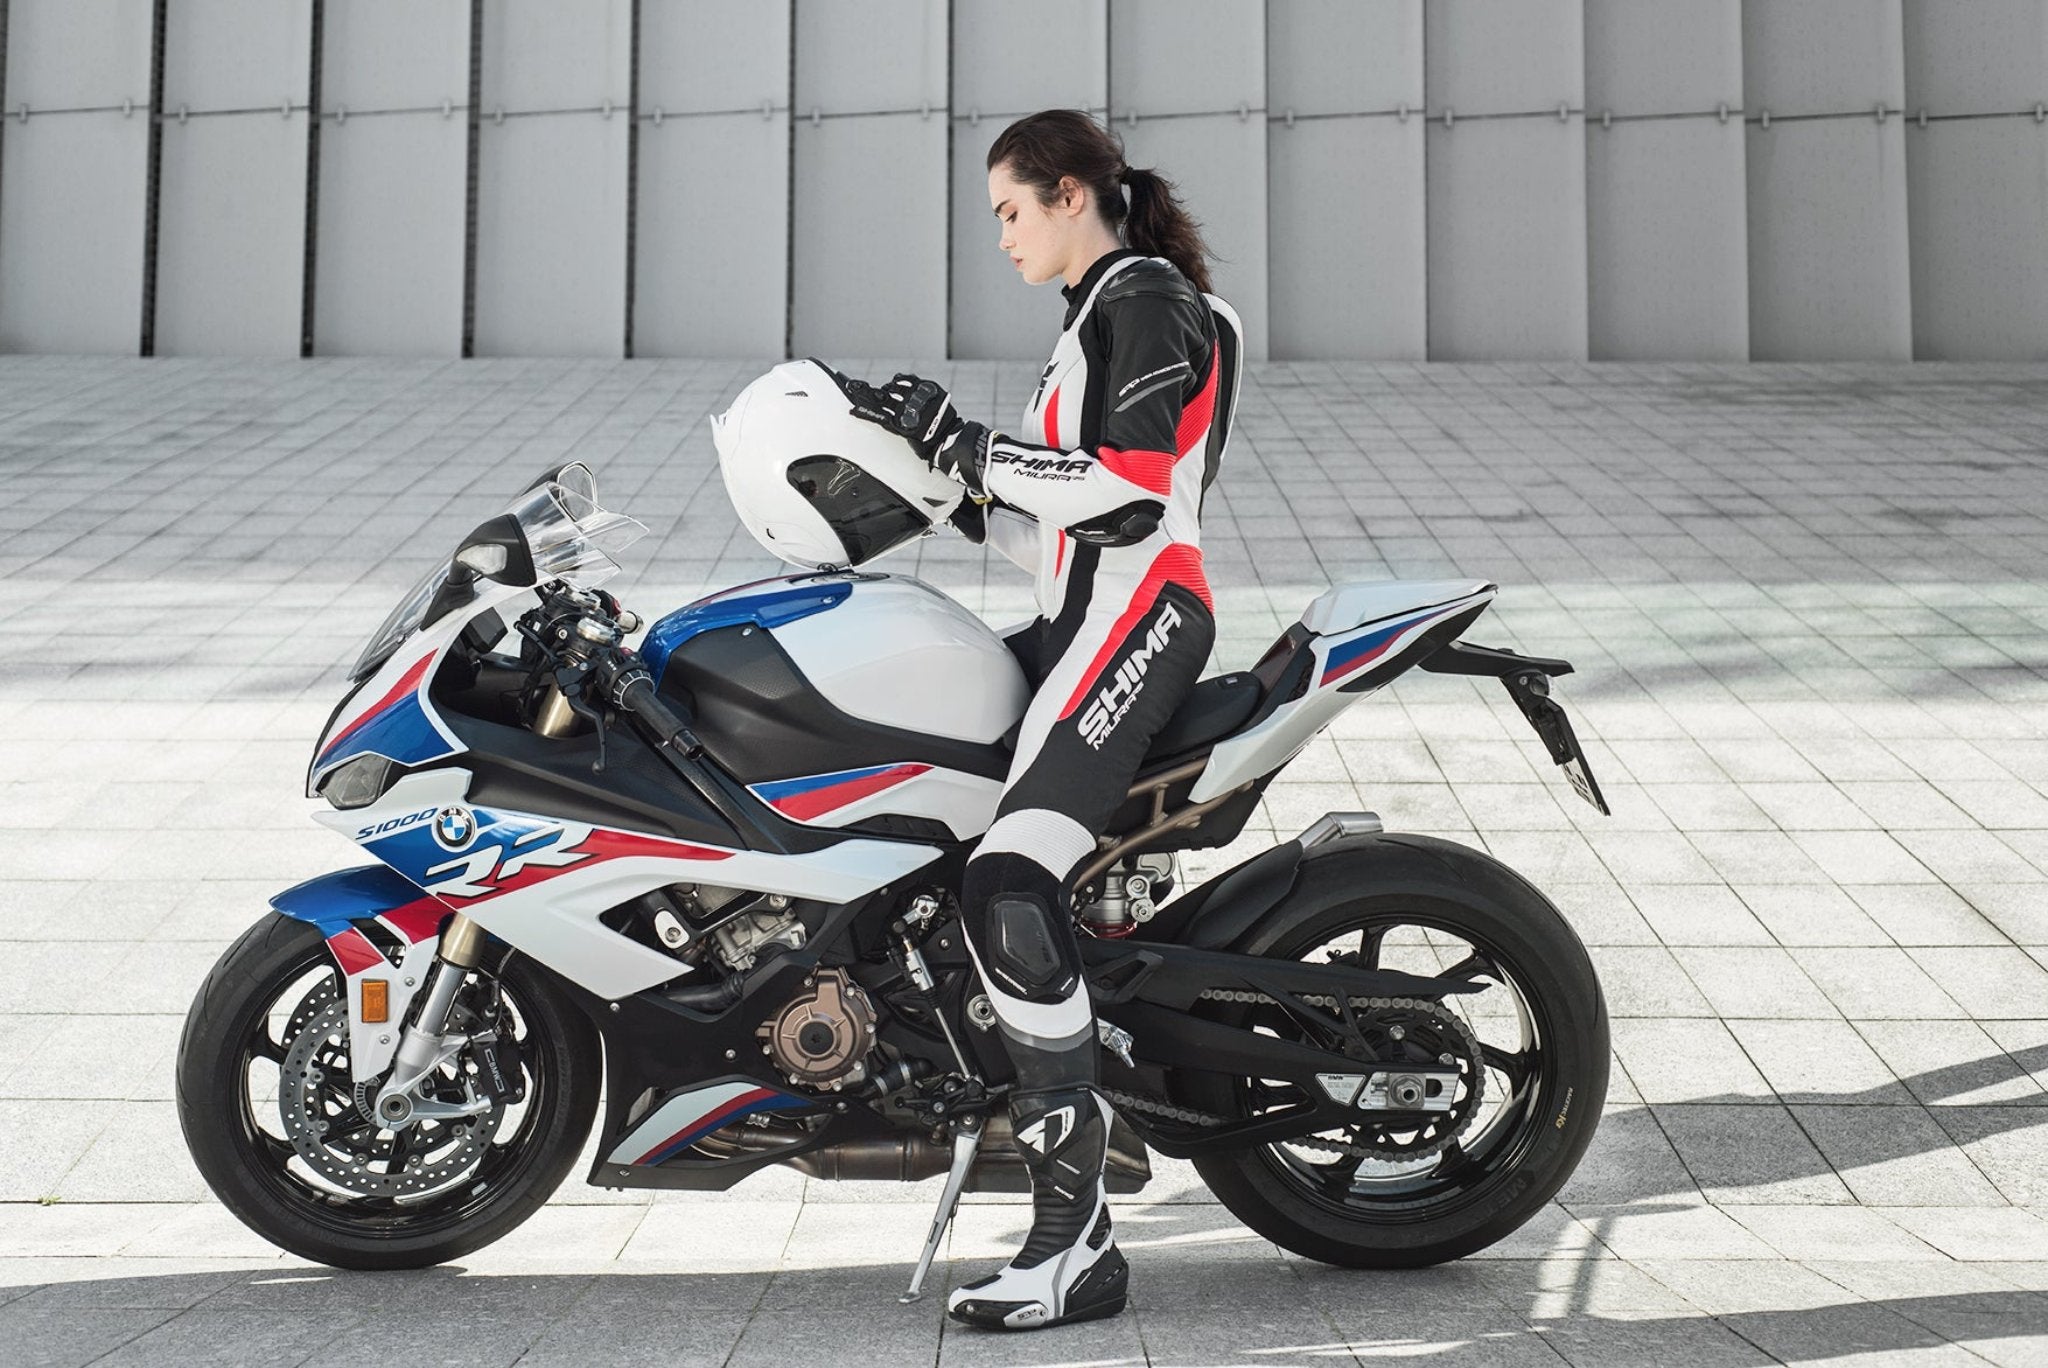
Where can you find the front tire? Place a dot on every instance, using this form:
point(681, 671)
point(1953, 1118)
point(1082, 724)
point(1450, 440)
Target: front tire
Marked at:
point(1471, 916)
point(273, 986)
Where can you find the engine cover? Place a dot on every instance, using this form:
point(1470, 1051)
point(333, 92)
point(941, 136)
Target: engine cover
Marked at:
point(821, 1038)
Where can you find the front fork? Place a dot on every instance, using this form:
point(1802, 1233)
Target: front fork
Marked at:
point(425, 1045)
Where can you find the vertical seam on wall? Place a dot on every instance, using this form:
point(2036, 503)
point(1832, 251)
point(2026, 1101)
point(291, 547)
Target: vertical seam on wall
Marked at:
point(476, 82)
point(789, 205)
point(1428, 258)
point(3, 92)
point(306, 291)
point(632, 171)
point(952, 173)
point(152, 194)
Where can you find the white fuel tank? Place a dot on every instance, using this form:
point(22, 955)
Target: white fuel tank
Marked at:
point(900, 653)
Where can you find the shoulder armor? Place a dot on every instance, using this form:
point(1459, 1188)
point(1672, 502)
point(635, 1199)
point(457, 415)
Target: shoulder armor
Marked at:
point(1148, 276)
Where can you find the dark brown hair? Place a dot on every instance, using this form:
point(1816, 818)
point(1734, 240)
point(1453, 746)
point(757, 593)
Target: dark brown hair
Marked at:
point(1041, 148)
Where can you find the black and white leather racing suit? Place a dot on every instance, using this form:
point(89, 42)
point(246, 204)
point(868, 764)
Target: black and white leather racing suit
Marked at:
point(1100, 495)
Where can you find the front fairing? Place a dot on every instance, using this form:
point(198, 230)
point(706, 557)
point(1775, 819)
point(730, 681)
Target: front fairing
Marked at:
point(391, 713)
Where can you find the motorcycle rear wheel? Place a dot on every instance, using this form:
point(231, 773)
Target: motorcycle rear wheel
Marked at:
point(278, 980)
point(1544, 1038)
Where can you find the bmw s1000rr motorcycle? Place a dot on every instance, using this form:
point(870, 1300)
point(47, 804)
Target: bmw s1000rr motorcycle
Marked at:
point(717, 873)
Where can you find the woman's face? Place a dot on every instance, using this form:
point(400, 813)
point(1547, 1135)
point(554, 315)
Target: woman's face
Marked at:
point(1038, 238)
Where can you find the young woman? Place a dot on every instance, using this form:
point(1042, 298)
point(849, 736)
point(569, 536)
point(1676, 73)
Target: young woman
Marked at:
point(1099, 491)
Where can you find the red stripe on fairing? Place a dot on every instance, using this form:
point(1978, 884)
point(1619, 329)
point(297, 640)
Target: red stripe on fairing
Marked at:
point(1178, 564)
point(353, 952)
point(598, 847)
point(1052, 417)
point(710, 1120)
point(416, 921)
point(819, 801)
point(406, 684)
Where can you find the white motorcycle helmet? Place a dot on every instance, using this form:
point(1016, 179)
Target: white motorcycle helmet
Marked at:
point(818, 487)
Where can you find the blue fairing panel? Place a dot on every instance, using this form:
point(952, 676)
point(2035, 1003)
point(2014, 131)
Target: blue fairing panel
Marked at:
point(332, 901)
point(769, 609)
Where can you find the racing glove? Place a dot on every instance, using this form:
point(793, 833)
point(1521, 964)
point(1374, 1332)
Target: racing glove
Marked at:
point(921, 413)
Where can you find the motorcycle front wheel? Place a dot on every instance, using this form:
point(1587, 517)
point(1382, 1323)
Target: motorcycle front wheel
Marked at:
point(280, 1129)
point(1408, 1193)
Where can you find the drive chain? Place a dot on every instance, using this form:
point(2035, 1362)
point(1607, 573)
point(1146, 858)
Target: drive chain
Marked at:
point(1189, 1116)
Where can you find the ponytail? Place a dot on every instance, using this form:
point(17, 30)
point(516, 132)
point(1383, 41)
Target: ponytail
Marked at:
point(1157, 225)
point(1040, 149)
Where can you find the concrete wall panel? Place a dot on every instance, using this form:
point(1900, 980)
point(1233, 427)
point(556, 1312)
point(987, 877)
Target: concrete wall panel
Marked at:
point(1348, 240)
point(563, 54)
point(1506, 196)
point(870, 237)
point(1008, 62)
point(77, 54)
point(1663, 56)
point(551, 236)
point(869, 222)
point(711, 256)
point(1485, 57)
point(1667, 242)
point(1346, 231)
point(1821, 56)
point(237, 54)
point(231, 236)
point(394, 54)
point(1828, 277)
point(71, 216)
point(1974, 56)
point(714, 55)
point(879, 55)
point(388, 270)
point(1186, 56)
point(1827, 196)
point(1979, 228)
point(1977, 189)
point(551, 186)
point(1666, 233)
point(1343, 56)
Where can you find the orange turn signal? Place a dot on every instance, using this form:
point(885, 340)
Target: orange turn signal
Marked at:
point(376, 1000)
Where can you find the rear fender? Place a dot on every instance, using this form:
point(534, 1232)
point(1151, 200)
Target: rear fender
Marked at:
point(1254, 906)
point(340, 905)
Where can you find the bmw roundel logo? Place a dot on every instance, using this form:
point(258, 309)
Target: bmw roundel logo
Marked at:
point(454, 827)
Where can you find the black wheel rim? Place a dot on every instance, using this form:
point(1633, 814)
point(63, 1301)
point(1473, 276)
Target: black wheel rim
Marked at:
point(294, 996)
point(1519, 1078)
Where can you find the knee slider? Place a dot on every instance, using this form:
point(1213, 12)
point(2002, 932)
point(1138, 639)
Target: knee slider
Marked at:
point(1027, 951)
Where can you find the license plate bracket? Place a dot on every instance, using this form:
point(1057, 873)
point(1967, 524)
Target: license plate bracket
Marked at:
point(1531, 691)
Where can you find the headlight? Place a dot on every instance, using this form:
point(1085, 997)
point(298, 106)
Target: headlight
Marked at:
point(359, 783)
point(404, 619)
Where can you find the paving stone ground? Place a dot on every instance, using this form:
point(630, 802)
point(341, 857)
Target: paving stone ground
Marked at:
point(1809, 608)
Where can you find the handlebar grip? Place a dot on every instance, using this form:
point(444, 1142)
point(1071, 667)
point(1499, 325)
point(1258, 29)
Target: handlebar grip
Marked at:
point(635, 694)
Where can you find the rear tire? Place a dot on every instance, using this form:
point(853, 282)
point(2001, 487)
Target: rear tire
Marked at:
point(232, 1131)
point(1430, 1217)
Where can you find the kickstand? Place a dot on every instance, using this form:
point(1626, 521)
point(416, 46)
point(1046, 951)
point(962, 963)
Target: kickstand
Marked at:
point(966, 1140)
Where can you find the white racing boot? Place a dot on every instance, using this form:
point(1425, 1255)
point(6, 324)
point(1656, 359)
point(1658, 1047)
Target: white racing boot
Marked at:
point(1070, 1268)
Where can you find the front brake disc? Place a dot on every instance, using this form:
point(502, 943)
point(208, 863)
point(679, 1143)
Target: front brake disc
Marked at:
point(316, 1100)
